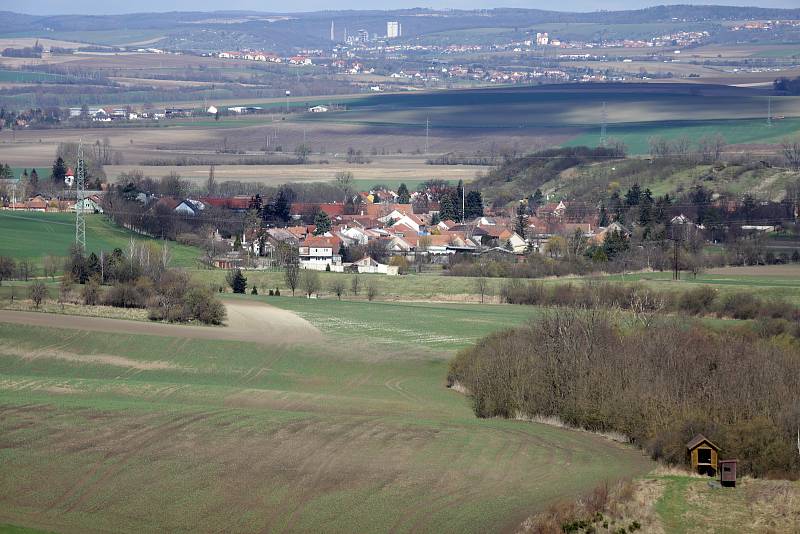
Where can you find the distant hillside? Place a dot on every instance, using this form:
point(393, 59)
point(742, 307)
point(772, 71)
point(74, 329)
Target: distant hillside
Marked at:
point(185, 30)
point(585, 174)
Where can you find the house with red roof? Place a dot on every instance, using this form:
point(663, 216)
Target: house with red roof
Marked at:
point(321, 253)
point(238, 204)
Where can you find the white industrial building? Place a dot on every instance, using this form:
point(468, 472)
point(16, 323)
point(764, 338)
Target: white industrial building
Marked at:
point(394, 30)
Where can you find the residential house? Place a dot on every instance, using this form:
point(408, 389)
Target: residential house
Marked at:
point(237, 204)
point(600, 237)
point(89, 204)
point(513, 241)
point(190, 207)
point(320, 253)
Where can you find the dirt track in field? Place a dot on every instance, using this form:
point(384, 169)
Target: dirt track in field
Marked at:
point(247, 321)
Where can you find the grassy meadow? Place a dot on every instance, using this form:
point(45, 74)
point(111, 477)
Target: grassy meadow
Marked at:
point(741, 131)
point(359, 433)
point(686, 504)
point(775, 281)
point(31, 236)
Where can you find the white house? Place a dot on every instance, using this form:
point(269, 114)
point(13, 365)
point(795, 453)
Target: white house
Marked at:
point(190, 207)
point(518, 244)
point(367, 265)
point(353, 236)
point(320, 253)
point(87, 205)
point(401, 218)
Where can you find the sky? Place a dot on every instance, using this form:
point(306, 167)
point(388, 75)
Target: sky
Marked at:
point(96, 7)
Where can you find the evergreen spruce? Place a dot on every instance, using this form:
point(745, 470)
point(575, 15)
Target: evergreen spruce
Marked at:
point(474, 205)
point(403, 196)
point(238, 282)
point(322, 223)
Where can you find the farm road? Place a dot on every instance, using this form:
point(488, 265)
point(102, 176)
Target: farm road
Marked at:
point(254, 322)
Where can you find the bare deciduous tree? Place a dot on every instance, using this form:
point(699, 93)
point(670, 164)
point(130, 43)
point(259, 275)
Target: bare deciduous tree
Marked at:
point(482, 287)
point(337, 287)
point(37, 292)
point(24, 270)
point(50, 266)
point(292, 274)
point(310, 282)
point(344, 181)
point(372, 290)
point(791, 153)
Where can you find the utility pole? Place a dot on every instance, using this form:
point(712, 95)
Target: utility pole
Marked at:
point(603, 125)
point(769, 111)
point(676, 274)
point(463, 202)
point(287, 100)
point(427, 133)
point(80, 190)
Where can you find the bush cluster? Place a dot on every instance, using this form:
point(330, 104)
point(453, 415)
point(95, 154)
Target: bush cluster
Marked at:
point(702, 300)
point(659, 384)
point(177, 299)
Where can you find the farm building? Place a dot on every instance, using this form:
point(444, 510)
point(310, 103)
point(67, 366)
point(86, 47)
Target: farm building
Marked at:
point(369, 265)
point(703, 455)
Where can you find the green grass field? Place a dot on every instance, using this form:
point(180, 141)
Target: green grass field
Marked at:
point(43, 172)
point(772, 282)
point(779, 282)
point(31, 235)
point(407, 287)
point(356, 434)
point(436, 326)
point(16, 76)
point(741, 131)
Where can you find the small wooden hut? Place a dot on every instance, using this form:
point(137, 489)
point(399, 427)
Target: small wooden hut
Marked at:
point(703, 455)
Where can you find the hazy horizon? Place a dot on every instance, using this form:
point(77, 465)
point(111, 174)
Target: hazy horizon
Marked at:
point(92, 7)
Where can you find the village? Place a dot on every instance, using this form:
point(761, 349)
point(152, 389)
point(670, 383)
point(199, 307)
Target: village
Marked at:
point(390, 232)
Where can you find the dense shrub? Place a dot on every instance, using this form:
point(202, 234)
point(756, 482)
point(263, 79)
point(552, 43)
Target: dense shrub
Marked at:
point(659, 384)
point(129, 295)
point(593, 294)
point(91, 293)
point(697, 301)
point(201, 304)
point(741, 306)
point(179, 300)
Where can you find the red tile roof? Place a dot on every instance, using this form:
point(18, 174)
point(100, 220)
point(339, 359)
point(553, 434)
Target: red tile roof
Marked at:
point(322, 242)
point(231, 203)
